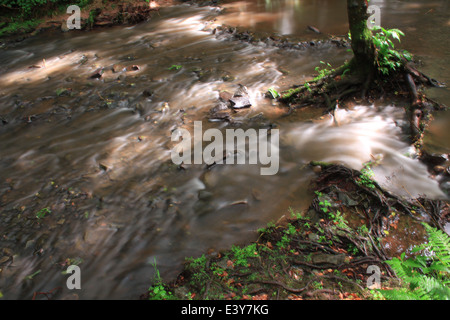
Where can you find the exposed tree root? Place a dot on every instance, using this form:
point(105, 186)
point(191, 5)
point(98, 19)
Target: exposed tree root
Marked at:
point(406, 82)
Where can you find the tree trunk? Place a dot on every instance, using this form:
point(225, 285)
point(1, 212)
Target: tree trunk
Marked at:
point(363, 63)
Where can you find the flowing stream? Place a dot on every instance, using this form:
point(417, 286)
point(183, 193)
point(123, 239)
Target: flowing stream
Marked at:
point(96, 152)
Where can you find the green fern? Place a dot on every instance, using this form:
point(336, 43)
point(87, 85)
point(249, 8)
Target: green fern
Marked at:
point(440, 245)
point(399, 294)
point(427, 276)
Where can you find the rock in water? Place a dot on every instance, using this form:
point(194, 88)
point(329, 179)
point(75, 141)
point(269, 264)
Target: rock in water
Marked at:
point(64, 27)
point(240, 98)
point(220, 107)
point(97, 74)
point(220, 116)
point(133, 68)
point(147, 93)
point(241, 92)
point(240, 102)
point(225, 96)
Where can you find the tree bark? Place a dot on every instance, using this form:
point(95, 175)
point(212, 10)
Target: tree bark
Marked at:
point(363, 62)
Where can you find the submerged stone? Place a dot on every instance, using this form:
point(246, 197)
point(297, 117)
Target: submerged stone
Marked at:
point(240, 102)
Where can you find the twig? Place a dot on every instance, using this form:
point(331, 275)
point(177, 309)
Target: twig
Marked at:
point(415, 199)
point(46, 294)
point(313, 293)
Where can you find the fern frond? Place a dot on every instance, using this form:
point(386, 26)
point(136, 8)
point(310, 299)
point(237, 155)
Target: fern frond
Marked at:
point(439, 243)
point(399, 294)
point(429, 288)
point(428, 278)
point(399, 268)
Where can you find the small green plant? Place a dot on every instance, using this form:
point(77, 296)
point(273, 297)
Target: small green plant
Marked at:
point(338, 219)
point(284, 242)
point(273, 93)
point(31, 276)
point(366, 178)
point(91, 18)
point(324, 205)
point(363, 230)
point(241, 255)
point(323, 72)
point(19, 26)
point(175, 67)
point(388, 59)
point(42, 213)
point(269, 226)
point(307, 86)
point(426, 276)
point(84, 3)
point(158, 291)
point(198, 267)
point(317, 285)
point(376, 295)
point(297, 215)
point(352, 249)
point(217, 271)
point(62, 91)
point(322, 239)
point(290, 230)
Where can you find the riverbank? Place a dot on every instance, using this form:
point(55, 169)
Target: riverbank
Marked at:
point(95, 14)
point(327, 252)
point(98, 14)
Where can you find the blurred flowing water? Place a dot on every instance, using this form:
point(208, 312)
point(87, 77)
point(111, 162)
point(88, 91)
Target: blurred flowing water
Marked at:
point(96, 152)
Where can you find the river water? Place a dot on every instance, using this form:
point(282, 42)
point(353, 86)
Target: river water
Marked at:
point(91, 157)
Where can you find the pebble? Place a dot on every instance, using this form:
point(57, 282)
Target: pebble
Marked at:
point(317, 169)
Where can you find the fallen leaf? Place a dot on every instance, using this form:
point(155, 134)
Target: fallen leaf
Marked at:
point(263, 296)
point(223, 274)
point(230, 295)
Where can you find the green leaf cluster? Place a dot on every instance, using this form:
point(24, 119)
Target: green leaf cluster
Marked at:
point(273, 93)
point(326, 70)
point(158, 290)
point(367, 177)
point(388, 59)
point(426, 276)
point(175, 67)
point(42, 213)
point(241, 255)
